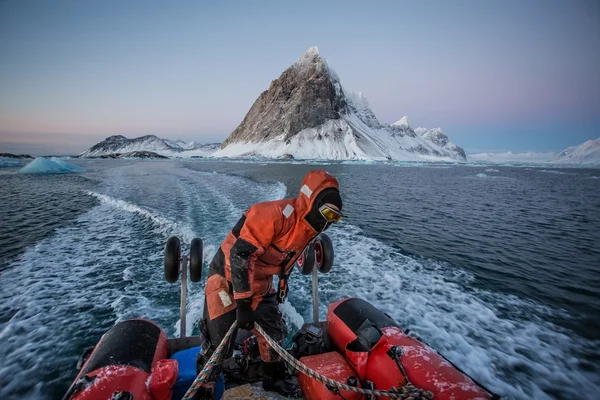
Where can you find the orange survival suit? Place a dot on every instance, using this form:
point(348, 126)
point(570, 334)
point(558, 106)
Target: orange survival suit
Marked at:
point(265, 242)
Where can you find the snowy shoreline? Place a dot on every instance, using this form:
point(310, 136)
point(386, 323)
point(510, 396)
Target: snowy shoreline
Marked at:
point(406, 163)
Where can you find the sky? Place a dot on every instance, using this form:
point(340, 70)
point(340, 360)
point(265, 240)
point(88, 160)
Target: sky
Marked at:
point(494, 75)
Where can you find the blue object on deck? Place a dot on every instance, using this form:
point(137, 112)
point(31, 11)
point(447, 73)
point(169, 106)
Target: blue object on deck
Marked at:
point(187, 373)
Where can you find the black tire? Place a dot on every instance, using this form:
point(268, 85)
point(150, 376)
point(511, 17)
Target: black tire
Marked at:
point(172, 257)
point(307, 261)
point(196, 260)
point(324, 253)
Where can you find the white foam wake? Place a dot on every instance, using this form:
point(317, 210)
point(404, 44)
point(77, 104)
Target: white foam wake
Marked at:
point(67, 290)
point(471, 327)
point(165, 224)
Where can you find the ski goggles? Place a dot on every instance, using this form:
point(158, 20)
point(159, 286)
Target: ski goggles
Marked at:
point(331, 214)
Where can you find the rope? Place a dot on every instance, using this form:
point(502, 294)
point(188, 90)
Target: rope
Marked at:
point(210, 364)
point(407, 391)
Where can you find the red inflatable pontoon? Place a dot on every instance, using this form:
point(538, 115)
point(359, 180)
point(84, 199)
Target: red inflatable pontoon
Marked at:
point(382, 353)
point(129, 362)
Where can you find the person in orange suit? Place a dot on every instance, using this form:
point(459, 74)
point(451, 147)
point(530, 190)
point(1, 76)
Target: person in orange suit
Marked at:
point(265, 242)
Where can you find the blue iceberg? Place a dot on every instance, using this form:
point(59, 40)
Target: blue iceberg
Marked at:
point(50, 166)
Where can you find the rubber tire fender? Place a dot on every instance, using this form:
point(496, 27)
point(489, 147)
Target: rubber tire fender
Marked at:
point(307, 261)
point(172, 258)
point(325, 259)
point(196, 260)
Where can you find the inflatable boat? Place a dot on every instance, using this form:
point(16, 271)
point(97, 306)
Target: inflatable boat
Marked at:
point(357, 346)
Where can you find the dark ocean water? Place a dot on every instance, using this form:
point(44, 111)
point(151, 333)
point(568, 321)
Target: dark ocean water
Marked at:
point(496, 267)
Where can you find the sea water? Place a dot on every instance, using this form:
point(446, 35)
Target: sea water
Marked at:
point(497, 269)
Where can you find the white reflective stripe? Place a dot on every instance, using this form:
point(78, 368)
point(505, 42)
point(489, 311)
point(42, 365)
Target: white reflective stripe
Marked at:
point(288, 210)
point(306, 190)
point(225, 298)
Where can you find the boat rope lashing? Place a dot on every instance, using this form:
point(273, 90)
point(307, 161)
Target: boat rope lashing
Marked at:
point(407, 391)
point(210, 364)
point(395, 352)
point(335, 391)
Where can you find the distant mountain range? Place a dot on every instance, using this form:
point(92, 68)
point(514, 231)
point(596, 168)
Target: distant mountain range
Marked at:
point(19, 156)
point(119, 144)
point(587, 153)
point(150, 146)
point(307, 114)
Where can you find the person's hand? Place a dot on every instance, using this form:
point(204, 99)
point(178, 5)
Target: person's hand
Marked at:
point(245, 314)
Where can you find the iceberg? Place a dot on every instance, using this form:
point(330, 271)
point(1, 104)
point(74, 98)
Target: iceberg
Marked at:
point(50, 166)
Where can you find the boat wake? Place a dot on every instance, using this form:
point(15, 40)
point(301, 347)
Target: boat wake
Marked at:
point(60, 295)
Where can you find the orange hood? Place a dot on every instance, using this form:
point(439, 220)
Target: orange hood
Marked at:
point(312, 184)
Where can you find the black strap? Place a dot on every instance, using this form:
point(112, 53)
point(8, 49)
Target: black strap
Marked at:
point(335, 390)
point(291, 256)
point(395, 352)
point(282, 287)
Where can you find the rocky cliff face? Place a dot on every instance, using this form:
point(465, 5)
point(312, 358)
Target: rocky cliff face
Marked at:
point(304, 96)
point(306, 113)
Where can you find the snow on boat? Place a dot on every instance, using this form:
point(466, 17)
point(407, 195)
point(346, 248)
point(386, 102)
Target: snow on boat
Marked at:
point(358, 346)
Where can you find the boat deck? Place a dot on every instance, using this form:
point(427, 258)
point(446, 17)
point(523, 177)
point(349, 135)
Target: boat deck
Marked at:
point(251, 391)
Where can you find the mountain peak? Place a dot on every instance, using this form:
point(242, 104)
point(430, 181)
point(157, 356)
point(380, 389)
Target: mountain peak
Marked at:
point(310, 57)
point(115, 138)
point(312, 52)
point(402, 122)
point(306, 95)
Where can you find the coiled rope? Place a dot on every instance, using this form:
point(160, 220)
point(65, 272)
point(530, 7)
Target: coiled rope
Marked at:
point(407, 391)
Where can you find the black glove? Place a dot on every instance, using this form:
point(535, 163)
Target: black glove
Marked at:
point(245, 314)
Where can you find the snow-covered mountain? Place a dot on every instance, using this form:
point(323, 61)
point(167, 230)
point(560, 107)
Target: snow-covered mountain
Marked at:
point(119, 144)
point(511, 157)
point(135, 155)
point(307, 114)
point(587, 153)
point(199, 150)
point(176, 144)
point(193, 145)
